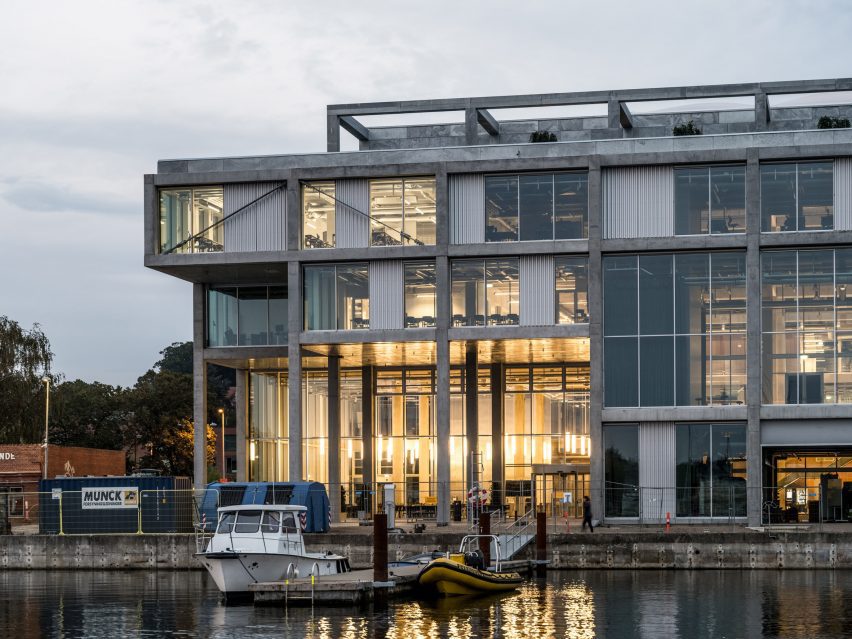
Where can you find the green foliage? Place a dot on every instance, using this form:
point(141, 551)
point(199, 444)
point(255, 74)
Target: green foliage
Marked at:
point(686, 129)
point(91, 415)
point(177, 358)
point(829, 122)
point(25, 358)
point(542, 136)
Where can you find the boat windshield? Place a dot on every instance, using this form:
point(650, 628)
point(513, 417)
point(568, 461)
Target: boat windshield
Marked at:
point(271, 521)
point(226, 523)
point(248, 521)
point(288, 523)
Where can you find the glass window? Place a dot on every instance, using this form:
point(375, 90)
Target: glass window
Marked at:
point(278, 315)
point(226, 523)
point(709, 199)
point(222, 317)
point(656, 371)
point(318, 214)
point(797, 197)
point(353, 297)
point(288, 523)
point(190, 220)
point(501, 291)
point(271, 522)
point(320, 310)
point(419, 281)
point(710, 470)
point(655, 294)
point(402, 211)
point(253, 314)
point(621, 371)
point(248, 521)
point(692, 200)
point(535, 203)
point(468, 278)
point(501, 208)
point(571, 206)
point(621, 471)
point(572, 290)
point(621, 297)
point(692, 292)
point(727, 199)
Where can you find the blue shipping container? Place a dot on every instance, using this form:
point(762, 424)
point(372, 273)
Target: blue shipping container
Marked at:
point(309, 493)
point(115, 505)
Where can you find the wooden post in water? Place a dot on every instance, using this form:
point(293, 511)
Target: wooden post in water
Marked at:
point(541, 544)
point(380, 547)
point(485, 543)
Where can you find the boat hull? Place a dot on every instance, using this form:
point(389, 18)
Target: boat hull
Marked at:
point(234, 572)
point(452, 578)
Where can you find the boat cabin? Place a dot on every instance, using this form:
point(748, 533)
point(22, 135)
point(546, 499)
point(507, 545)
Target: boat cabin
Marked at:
point(263, 528)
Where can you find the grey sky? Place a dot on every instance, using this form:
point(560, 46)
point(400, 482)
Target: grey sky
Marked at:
point(93, 93)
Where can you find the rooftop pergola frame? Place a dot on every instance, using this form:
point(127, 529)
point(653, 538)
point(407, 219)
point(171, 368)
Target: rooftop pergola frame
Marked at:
point(477, 109)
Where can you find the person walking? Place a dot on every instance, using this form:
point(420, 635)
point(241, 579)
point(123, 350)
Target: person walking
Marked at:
point(587, 513)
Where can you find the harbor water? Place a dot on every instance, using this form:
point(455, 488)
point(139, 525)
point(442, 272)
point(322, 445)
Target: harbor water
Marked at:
point(593, 604)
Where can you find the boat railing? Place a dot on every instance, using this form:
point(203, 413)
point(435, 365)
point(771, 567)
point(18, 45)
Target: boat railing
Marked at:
point(468, 539)
point(203, 535)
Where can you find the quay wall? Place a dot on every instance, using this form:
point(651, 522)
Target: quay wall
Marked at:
point(745, 550)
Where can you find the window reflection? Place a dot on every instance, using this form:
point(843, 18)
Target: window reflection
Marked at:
point(191, 220)
point(246, 316)
point(572, 289)
point(336, 297)
point(797, 196)
point(709, 200)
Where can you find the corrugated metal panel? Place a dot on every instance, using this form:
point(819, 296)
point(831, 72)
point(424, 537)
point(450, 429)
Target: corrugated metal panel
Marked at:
point(387, 307)
point(638, 202)
point(352, 224)
point(467, 209)
point(657, 470)
point(843, 194)
point(537, 281)
point(260, 227)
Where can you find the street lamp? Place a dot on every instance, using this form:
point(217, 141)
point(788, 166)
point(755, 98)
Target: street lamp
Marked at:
point(224, 468)
point(46, 381)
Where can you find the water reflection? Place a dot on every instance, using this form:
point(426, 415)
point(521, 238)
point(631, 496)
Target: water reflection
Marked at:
point(576, 605)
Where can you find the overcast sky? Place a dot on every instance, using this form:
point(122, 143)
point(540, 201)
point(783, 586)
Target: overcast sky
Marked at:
point(92, 94)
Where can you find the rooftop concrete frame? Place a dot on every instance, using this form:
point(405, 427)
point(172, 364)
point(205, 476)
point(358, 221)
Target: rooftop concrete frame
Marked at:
point(619, 118)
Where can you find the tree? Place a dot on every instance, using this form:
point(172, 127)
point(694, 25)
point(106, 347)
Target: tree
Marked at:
point(86, 414)
point(25, 358)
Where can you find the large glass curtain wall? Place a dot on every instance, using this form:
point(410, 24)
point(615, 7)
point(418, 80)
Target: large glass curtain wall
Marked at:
point(352, 495)
point(674, 329)
point(420, 286)
point(246, 316)
point(621, 470)
point(543, 206)
point(318, 217)
point(709, 199)
point(337, 297)
point(807, 326)
point(402, 211)
point(485, 292)
point(797, 196)
point(546, 417)
point(461, 459)
point(315, 426)
point(268, 431)
point(711, 470)
point(405, 447)
point(191, 213)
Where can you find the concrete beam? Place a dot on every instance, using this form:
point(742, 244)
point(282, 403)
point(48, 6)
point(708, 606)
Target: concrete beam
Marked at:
point(624, 116)
point(332, 133)
point(354, 127)
point(487, 122)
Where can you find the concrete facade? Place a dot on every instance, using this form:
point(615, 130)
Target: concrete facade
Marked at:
point(482, 144)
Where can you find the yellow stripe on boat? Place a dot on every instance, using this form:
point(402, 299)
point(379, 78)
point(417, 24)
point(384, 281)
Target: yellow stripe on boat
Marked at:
point(454, 578)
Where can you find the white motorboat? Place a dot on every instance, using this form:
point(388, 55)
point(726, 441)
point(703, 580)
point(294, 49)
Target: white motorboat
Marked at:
point(258, 543)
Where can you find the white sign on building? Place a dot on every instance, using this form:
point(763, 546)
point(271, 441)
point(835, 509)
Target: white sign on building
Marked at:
point(110, 497)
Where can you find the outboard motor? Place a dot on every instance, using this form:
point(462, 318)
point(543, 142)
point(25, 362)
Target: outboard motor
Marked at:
point(475, 559)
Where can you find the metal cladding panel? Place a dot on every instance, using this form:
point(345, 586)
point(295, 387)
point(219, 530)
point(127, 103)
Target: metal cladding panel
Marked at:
point(352, 222)
point(387, 306)
point(537, 281)
point(657, 470)
point(259, 227)
point(467, 209)
point(843, 194)
point(638, 202)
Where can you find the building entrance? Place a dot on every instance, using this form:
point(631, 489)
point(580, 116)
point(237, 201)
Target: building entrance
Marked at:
point(808, 486)
point(561, 493)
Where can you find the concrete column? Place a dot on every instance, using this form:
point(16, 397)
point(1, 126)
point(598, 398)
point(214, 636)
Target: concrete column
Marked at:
point(334, 436)
point(596, 373)
point(294, 371)
point(498, 475)
point(754, 390)
point(367, 444)
point(443, 390)
point(471, 410)
point(293, 196)
point(241, 409)
point(471, 126)
point(332, 133)
point(199, 389)
point(761, 112)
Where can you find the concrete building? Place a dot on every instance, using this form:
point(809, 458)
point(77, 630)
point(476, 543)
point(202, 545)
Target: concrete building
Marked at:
point(658, 321)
